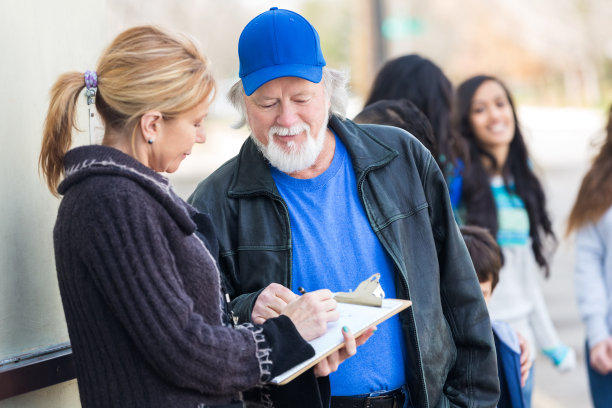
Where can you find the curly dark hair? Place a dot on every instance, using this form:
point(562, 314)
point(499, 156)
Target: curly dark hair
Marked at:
point(477, 197)
point(422, 82)
point(403, 114)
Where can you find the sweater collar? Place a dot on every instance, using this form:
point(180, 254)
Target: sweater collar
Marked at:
point(95, 160)
point(366, 152)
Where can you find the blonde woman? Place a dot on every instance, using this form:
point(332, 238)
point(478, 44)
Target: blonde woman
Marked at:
point(141, 292)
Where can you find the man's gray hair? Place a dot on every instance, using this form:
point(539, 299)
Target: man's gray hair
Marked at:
point(334, 81)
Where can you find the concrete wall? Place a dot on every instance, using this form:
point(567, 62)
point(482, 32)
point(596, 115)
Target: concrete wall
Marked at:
point(38, 41)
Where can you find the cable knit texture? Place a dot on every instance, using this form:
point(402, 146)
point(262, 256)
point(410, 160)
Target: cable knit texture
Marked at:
point(141, 294)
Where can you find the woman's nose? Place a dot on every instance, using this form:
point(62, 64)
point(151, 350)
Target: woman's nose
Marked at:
point(200, 136)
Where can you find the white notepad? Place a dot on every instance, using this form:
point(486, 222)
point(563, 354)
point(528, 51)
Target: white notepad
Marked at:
point(358, 318)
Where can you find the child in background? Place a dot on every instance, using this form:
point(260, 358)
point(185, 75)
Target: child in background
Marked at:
point(513, 361)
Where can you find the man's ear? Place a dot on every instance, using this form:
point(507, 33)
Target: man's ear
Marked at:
point(150, 125)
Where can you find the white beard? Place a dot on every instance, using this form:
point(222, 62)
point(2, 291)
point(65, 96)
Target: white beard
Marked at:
point(293, 157)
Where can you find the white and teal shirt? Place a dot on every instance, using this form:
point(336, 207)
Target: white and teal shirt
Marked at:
point(517, 298)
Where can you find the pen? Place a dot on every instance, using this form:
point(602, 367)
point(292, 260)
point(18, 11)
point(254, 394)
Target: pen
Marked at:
point(301, 290)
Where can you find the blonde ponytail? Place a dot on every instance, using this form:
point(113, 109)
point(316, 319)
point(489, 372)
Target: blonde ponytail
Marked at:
point(145, 68)
point(60, 121)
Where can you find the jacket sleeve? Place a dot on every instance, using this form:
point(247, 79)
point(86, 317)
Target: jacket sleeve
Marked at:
point(473, 380)
point(242, 305)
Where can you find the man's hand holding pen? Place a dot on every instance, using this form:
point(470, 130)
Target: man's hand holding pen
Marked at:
point(271, 302)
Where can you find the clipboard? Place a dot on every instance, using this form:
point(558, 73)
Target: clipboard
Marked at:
point(357, 317)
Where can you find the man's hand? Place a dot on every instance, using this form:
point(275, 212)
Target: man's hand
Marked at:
point(271, 302)
point(526, 362)
point(311, 312)
point(330, 364)
point(601, 356)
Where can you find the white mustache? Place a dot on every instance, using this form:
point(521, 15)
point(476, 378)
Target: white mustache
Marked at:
point(285, 131)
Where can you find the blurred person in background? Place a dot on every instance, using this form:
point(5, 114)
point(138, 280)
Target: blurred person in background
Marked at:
point(421, 81)
point(314, 200)
point(141, 292)
point(591, 220)
point(502, 194)
point(401, 113)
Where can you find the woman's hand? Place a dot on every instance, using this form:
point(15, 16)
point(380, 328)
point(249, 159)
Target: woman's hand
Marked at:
point(311, 312)
point(330, 364)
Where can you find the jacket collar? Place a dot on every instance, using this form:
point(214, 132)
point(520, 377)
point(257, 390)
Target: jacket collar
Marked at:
point(367, 152)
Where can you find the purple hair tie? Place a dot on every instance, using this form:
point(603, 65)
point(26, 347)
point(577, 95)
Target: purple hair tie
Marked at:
point(91, 82)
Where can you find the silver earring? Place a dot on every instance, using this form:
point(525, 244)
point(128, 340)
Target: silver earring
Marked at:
point(150, 141)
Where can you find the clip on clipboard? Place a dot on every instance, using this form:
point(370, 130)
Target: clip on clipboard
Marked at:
point(368, 293)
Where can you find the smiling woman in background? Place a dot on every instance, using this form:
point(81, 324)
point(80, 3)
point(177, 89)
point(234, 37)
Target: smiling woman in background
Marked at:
point(141, 292)
point(502, 193)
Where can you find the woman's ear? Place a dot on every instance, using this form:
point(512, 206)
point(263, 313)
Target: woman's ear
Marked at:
point(150, 126)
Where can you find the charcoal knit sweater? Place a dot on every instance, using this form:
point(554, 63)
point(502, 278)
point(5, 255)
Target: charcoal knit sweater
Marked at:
point(141, 294)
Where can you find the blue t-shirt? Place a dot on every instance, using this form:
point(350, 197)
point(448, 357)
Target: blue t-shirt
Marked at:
point(334, 247)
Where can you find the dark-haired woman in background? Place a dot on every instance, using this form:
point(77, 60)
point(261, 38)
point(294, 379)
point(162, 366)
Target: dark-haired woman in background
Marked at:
point(421, 81)
point(591, 219)
point(401, 113)
point(502, 193)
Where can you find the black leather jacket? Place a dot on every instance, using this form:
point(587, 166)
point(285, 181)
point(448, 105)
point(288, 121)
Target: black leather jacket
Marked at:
point(451, 357)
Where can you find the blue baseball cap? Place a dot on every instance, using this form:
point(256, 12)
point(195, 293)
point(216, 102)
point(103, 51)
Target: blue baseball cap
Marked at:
point(279, 43)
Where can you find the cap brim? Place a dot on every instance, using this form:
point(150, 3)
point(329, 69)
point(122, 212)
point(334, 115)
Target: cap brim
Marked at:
point(251, 82)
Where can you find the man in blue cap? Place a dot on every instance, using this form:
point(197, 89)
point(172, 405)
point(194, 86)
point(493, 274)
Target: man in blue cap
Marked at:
point(314, 200)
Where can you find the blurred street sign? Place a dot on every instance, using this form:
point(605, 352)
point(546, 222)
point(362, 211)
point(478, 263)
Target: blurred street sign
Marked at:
point(400, 27)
